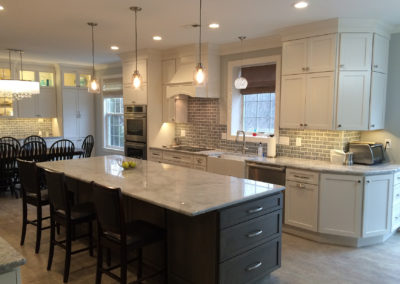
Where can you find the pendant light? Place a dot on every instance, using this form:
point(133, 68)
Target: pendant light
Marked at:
point(94, 86)
point(136, 78)
point(241, 82)
point(18, 89)
point(200, 75)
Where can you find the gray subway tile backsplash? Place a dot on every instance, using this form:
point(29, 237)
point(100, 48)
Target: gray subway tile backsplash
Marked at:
point(24, 127)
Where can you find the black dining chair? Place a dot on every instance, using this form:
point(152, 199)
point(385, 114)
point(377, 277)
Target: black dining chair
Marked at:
point(33, 151)
point(34, 138)
point(61, 150)
point(63, 211)
point(115, 233)
point(87, 146)
point(8, 158)
point(17, 146)
point(32, 194)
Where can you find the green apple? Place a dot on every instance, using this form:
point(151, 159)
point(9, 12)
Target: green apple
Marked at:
point(125, 165)
point(132, 164)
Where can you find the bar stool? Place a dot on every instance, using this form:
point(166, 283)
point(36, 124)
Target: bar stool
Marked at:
point(115, 233)
point(32, 194)
point(64, 213)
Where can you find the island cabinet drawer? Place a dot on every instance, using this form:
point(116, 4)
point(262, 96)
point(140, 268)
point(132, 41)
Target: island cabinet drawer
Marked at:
point(178, 157)
point(251, 265)
point(249, 210)
point(155, 155)
point(240, 238)
point(302, 176)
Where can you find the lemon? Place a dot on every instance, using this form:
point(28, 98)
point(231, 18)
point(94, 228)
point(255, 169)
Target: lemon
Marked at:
point(125, 165)
point(132, 164)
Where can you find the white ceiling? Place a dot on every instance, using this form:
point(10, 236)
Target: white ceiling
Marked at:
point(56, 30)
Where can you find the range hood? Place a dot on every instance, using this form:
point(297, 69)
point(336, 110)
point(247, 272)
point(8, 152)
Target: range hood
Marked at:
point(182, 83)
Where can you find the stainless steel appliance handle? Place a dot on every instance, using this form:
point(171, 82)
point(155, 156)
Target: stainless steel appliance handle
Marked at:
point(134, 144)
point(264, 167)
point(132, 115)
point(255, 234)
point(255, 210)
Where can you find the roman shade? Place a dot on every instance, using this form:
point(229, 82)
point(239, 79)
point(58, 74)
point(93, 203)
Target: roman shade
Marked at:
point(261, 79)
point(112, 88)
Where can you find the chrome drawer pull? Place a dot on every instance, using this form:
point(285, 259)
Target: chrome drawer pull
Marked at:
point(255, 234)
point(303, 177)
point(178, 158)
point(299, 185)
point(255, 210)
point(254, 266)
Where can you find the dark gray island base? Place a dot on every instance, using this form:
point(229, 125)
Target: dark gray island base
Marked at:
point(220, 229)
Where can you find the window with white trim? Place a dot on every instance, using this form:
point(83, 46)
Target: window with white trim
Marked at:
point(114, 123)
point(259, 113)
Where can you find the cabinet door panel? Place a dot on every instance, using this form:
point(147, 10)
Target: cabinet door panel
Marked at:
point(353, 100)
point(377, 205)
point(355, 51)
point(135, 96)
point(294, 57)
point(322, 53)
point(319, 100)
point(378, 101)
point(301, 205)
point(47, 102)
point(380, 54)
point(86, 113)
point(27, 107)
point(292, 101)
point(340, 205)
point(70, 112)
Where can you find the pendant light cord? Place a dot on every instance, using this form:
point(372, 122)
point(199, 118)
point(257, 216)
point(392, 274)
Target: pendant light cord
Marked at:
point(136, 51)
point(9, 61)
point(93, 51)
point(200, 34)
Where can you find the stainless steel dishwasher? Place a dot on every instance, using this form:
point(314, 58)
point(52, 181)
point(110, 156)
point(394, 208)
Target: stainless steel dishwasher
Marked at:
point(266, 173)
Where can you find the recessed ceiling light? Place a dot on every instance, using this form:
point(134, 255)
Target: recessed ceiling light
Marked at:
point(1, 7)
point(114, 47)
point(156, 37)
point(213, 26)
point(301, 5)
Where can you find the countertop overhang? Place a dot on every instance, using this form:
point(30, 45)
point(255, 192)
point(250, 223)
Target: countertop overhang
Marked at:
point(9, 257)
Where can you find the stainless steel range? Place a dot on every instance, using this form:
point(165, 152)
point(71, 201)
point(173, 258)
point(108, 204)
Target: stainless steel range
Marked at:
point(135, 117)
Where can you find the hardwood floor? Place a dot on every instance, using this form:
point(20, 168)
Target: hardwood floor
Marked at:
point(303, 261)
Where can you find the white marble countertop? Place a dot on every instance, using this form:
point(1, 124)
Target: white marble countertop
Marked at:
point(306, 164)
point(9, 257)
point(184, 190)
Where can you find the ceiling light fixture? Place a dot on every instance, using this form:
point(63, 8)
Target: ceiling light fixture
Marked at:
point(157, 38)
point(200, 75)
point(213, 26)
point(94, 86)
point(301, 5)
point(1, 7)
point(136, 78)
point(18, 89)
point(114, 47)
point(241, 82)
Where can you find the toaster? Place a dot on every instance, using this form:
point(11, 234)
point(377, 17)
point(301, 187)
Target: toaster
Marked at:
point(367, 153)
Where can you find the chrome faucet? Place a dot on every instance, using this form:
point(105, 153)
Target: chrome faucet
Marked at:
point(244, 148)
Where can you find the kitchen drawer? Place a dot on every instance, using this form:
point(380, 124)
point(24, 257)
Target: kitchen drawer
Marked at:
point(178, 157)
point(200, 161)
point(252, 265)
point(155, 155)
point(396, 217)
point(302, 176)
point(178, 163)
point(396, 194)
point(250, 210)
point(201, 168)
point(240, 238)
point(396, 180)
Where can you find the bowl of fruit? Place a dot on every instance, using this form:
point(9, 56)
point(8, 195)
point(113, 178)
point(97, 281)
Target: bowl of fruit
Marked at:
point(126, 165)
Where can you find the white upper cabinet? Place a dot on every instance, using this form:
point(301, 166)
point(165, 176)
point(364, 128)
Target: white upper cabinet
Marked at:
point(40, 105)
point(319, 100)
point(355, 51)
point(353, 100)
point(316, 54)
point(294, 57)
point(380, 55)
point(132, 95)
point(378, 101)
point(322, 53)
point(293, 92)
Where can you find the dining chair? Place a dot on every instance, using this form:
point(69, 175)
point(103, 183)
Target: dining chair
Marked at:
point(8, 156)
point(17, 146)
point(33, 151)
point(61, 150)
point(63, 211)
point(87, 146)
point(34, 138)
point(32, 194)
point(115, 233)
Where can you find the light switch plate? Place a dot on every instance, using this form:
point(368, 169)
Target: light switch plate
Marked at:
point(284, 140)
point(298, 141)
point(183, 132)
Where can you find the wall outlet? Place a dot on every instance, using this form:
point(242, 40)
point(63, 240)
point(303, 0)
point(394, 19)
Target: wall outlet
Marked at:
point(388, 143)
point(183, 133)
point(284, 140)
point(223, 136)
point(298, 141)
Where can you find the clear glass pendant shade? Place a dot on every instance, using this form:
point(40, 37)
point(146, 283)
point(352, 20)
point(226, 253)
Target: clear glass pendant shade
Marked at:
point(241, 83)
point(200, 75)
point(136, 80)
point(94, 86)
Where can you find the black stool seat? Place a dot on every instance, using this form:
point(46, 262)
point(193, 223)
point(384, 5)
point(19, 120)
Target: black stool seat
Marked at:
point(34, 197)
point(79, 213)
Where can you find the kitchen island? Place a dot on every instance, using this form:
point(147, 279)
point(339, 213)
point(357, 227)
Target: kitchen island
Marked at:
point(220, 229)
point(10, 262)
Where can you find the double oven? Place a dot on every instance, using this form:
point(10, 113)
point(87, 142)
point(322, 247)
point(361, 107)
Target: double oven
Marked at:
point(135, 125)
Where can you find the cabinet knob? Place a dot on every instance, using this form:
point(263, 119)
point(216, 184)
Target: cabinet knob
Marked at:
point(339, 125)
point(359, 181)
point(372, 125)
point(304, 68)
point(341, 65)
point(376, 66)
point(301, 124)
point(305, 124)
point(368, 181)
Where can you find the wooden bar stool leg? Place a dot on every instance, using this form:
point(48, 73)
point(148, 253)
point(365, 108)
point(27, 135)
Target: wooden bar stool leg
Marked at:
point(38, 228)
point(140, 264)
point(52, 240)
point(67, 252)
point(24, 220)
point(99, 261)
point(124, 265)
point(90, 228)
point(108, 257)
point(166, 262)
